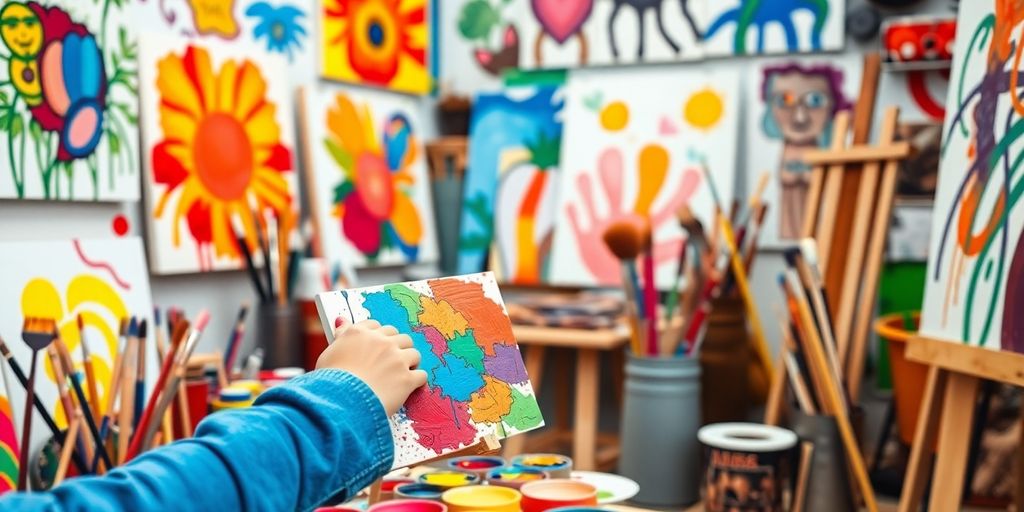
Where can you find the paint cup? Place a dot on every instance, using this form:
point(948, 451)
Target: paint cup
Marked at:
point(577, 509)
point(660, 418)
point(747, 466)
point(418, 491)
point(279, 334)
point(482, 498)
point(478, 465)
point(232, 397)
point(388, 485)
point(449, 479)
point(514, 477)
point(550, 494)
point(556, 466)
point(409, 506)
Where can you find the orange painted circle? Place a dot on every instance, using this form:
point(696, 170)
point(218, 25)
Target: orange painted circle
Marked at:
point(374, 185)
point(223, 156)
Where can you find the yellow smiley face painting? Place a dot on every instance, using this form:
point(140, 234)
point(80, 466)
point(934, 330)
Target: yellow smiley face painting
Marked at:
point(22, 33)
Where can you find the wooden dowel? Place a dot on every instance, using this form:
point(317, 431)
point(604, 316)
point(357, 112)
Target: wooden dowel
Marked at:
point(67, 449)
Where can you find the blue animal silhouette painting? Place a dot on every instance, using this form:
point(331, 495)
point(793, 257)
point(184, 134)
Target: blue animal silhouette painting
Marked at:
point(759, 14)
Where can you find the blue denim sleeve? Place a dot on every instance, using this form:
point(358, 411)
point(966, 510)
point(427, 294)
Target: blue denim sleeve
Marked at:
point(321, 435)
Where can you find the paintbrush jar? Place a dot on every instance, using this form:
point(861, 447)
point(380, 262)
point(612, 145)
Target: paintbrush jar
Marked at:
point(727, 364)
point(661, 415)
point(828, 484)
point(279, 333)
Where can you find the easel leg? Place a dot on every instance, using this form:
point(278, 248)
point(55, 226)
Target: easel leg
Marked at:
point(535, 369)
point(954, 441)
point(924, 435)
point(585, 431)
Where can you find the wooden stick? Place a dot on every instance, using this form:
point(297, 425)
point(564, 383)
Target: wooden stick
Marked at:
point(126, 408)
point(924, 435)
point(69, 446)
point(862, 218)
point(776, 405)
point(803, 476)
point(831, 193)
point(887, 149)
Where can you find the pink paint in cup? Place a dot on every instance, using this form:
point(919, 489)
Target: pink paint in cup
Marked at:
point(409, 506)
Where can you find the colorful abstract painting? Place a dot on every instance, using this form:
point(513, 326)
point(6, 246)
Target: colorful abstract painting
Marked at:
point(218, 144)
point(746, 27)
point(476, 380)
point(370, 193)
point(639, 153)
point(273, 27)
point(512, 180)
point(68, 105)
point(577, 33)
point(479, 41)
point(8, 438)
point(790, 106)
point(975, 283)
point(383, 43)
point(104, 281)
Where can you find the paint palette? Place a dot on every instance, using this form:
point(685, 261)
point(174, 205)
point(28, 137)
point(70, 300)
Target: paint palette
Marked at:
point(610, 488)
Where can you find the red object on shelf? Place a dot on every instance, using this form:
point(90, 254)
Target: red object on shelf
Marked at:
point(918, 40)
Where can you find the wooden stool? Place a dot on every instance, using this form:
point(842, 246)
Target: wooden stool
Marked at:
point(591, 450)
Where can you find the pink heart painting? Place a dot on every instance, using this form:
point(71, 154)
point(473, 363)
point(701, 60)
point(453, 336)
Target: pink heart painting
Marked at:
point(561, 18)
point(667, 127)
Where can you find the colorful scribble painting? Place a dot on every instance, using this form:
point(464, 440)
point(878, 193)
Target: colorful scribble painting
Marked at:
point(578, 33)
point(751, 27)
point(370, 193)
point(103, 281)
point(477, 384)
point(273, 27)
point(638, 153)
point(512, 180)
point(218, 147)
point(68, 104)
point(975, 284)
point(791, 104)
point(382, 43)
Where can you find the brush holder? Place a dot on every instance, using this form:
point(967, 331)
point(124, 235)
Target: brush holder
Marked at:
point(660, 418)
point(828, 483)
point(727, 362)
point(279, 334)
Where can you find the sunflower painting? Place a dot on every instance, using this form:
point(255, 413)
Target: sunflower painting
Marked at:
point(68, 105)
point(371, 192)
point(218, 147)
point(376, 42)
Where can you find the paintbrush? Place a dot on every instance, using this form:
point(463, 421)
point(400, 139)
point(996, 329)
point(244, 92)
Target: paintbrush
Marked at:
point(794, 369)
point(137, 443)
point(127, 403)
point(76, 384)
point(177, 372)
point(273, 246)
point(37, 333)
point(755, 231)
point(650, 290)
point(59, 435)
point(161, 352)
point(90, 374)
point(238, 227)
point(263, 235)
point(66, 403)
point(231, 351)
point(114, 387)
point(621, 240)
point(294, 256)
point(673, 294)
point(140, 375)
point(66, 449)
point(814, 289)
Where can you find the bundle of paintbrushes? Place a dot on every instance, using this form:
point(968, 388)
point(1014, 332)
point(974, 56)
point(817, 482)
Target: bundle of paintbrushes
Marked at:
point(103, 430)
point(707, 268)
point(277, 240)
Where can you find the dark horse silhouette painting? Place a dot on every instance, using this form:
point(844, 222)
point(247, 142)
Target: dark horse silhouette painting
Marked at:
point(641, 7)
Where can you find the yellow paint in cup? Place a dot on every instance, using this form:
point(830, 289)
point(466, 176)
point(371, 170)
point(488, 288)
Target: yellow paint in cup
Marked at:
point(449, 479)
point(481, 498)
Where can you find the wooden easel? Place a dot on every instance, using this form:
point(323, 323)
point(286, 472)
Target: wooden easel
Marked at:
point(488, 445)
point(955, 370)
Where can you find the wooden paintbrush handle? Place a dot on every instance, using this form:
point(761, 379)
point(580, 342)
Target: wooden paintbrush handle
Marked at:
point(26, 426)
point(65, 451)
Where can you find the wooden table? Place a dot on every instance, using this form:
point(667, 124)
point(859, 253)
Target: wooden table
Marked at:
point(590, 450)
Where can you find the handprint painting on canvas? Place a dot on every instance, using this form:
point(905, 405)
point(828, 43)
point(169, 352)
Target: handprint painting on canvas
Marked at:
point(629, 154)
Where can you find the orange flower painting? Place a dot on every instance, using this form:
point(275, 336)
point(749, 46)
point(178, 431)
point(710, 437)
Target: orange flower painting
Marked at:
point(219, 154)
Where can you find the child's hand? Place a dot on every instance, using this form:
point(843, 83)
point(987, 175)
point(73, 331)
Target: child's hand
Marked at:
point(380, 357)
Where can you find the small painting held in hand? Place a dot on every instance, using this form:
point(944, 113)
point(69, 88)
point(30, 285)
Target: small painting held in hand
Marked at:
point(69, 110)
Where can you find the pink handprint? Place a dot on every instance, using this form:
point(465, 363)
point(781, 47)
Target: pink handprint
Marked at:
point(652, 169)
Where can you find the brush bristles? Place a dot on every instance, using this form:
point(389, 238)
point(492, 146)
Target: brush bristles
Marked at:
point(39, 325)
point(623, 240)
point(809, 249)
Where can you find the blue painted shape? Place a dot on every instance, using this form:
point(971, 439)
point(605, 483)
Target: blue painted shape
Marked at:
point(500, 122)
point(457, 379)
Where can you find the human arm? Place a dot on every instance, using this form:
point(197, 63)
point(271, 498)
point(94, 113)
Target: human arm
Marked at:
point(320, 435)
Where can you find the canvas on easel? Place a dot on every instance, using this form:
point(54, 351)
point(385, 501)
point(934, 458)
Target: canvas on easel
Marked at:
point(971, 326)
